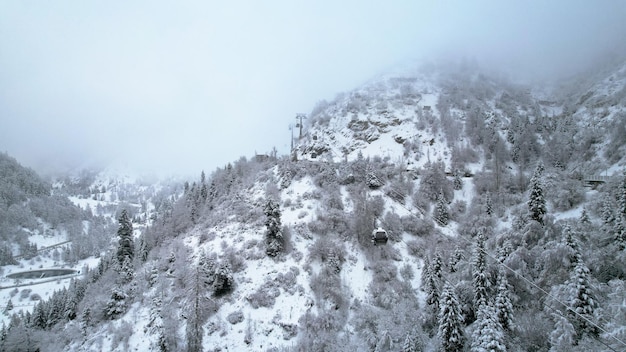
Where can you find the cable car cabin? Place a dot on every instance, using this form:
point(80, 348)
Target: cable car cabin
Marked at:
point(379, 236)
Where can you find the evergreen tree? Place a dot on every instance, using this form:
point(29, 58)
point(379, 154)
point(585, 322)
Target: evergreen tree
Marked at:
point(488, 204)
point(488, 335)
point(429, 285)
point(432, 294)
point(3, 335)
point(117, 304)
point(503, 305)
point(537, 201)
point(563, 337)
point(455, 259)
point(207, 267)
point(85, 321)
point(450, 332)
point(441, 210)
point(409, 345)
point(126, 270)
point(620, 234)
point(56, 307)
point(143, 248)
point(584, 217)
point(9, 307)
point(198, 310)
point(273, 236)
point(125, 238)
point(153, 276)
point(621, 198)
point(72, 298)
point(582, 301)
point(385, 343)
point(425, 273)
point(504, 251)
point(619, 227)
point(223, 280)
point(204, 190)
point(572, 245)
point(437, 266)
point(479, 272)
point(39, 319)
point(607, 213)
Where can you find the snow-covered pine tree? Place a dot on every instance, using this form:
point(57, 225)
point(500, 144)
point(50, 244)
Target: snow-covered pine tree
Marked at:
point(536, 199)
point(117, 304)
point(563, 337)
point(620, 234)
point(193, 202)
point(385, 343)
point(455, 259)
point(85, 321)
point(425, 273)
point(3, 335)
point(432, 294)
point(619, 227)
point(607, 213)
point(450, 331)
point(488, 204)
point(488, 335)
point(207, 267)
point(572, 245)
point(582, 300)
point(273, 236)
point(410, 345)
point(503, 305)
point(73, 297)
point(126, 270)
point(223, 280)
point(204, 190)
point(621, 198)
point(143, 249)
point(56, 307)
point(480, 278)
point(441, 210)
point(429, 286)
point(125, 238)
point(39, 319)
point(153, 275)
point(198, 310)
point(504, 251)
point(584, 217)
point(437, 266)
point(9, 307)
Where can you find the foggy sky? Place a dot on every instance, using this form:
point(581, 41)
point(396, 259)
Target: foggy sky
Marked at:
point(178, 88)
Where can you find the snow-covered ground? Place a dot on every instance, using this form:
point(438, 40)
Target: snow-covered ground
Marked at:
point(30, 291)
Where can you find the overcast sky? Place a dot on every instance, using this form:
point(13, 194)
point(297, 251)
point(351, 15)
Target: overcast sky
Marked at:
point(181, 86)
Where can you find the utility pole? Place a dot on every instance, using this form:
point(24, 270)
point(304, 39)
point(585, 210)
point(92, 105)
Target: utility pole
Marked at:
point(293, 153)
point(299, 124)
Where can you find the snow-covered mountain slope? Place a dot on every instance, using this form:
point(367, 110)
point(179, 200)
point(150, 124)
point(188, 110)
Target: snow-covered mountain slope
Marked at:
point(60, 244)
point(374, 120)
point(479, 184)
point(417, 117)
